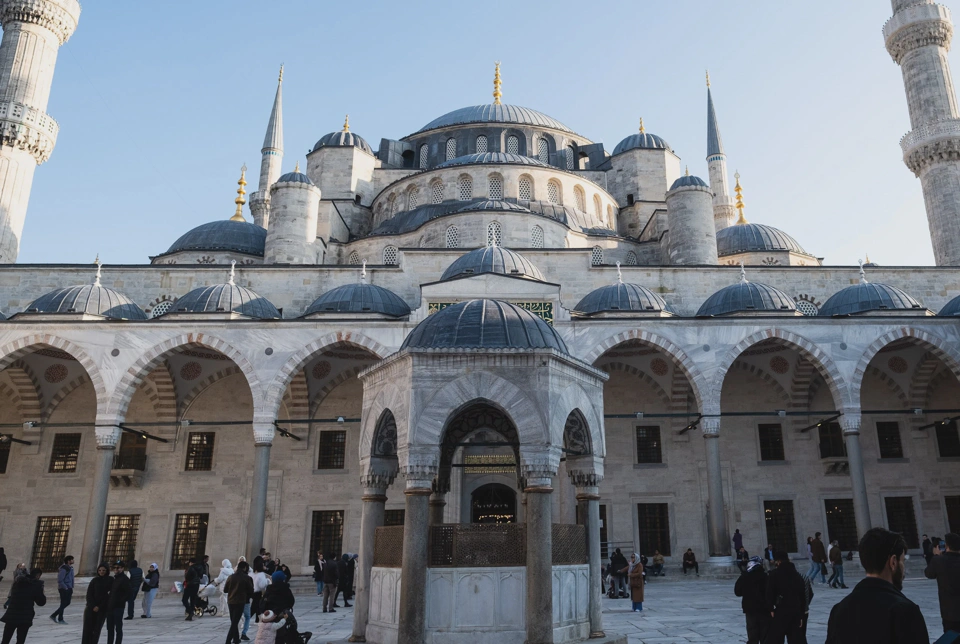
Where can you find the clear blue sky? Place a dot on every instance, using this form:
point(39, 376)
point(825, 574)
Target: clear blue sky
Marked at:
point(160, 104)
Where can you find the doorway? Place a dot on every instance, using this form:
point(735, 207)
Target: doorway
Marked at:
point(493, 503)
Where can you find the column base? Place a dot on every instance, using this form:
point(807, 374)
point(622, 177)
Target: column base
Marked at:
point(597, 635)
point(356, 638)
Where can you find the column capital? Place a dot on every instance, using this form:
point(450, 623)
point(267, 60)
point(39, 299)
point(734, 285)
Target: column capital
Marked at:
point(108, 432)
point(710, 425)
point(850, 421)
point(377, 480)
point(585, 479)
point(263, 432)
point(419, 465)
point(539, 463)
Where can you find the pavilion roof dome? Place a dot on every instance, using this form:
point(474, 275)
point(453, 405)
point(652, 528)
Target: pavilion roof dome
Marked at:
point(360, 298)
point(492, 259)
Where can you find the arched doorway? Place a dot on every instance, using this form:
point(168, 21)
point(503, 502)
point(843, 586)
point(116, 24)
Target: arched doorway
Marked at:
point(493, 503)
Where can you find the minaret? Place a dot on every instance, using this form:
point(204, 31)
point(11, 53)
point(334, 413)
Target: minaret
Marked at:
point(272, 157)
point(918, 38)
point(33, 31)
point(724, 213)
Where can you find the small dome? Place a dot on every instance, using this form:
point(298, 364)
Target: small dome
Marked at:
point(498, 158)
point(343, 140)
point(689, 180)
point(747, 297)
point(952, 308)
point(742, 238)
point(641, 141)
point(493, 204)
point(484, 324)
point(865, 296)
point(493, 113)
point(621, 297)
point(360, 298)
point(492, 259)
point(295, 177)
point(226, 298)
point(91, 299)
point(225, 235)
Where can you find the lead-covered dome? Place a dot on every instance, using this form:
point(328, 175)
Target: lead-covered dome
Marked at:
point(90, 299)
point(865, 296)
point(498, 158)
point(493, 113)
point(360, 298)
point(742, 238)
point(226, 235)
point(641, 141)
point(484, 324)
point(687, 181)
point(343, 140)
point(295, 177)
point(621, 297)
point(951, 309)
point(747, 297)
point(226, 298)
point(492, 259)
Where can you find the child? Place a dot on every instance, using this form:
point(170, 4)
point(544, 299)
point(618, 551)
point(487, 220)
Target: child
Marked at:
point(268, 628)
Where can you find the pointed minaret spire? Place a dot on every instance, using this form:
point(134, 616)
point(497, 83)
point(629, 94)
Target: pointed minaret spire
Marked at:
point(497, 94)
point(271, 159)
point(723, 208)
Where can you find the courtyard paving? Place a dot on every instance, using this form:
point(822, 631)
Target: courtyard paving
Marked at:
point(676, 610)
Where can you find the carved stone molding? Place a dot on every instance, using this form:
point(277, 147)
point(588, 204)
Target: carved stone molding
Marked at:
point(581, 478)
point(58, 16)
point(919, 25)
point(710, 426)
point(926, 154)
point(850, 422)
point(538, 462)
point(377, 480)
point(27, 128)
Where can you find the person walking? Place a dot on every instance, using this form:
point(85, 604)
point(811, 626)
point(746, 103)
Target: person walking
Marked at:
point(260, 583)
point(65, 577)
point(95, 612)
point(690, 561)
point(737, 540)
point(239, 591)
point(743, 558)
point(3, 563)
point(876, 611)
point(752, 587)
point(191, 586)
point(226, 571)
point(819, 557)
point(331, 577)
point(318, 572)
point(786, 596)
point(151, 585)
point(344, 581)
point(116, 603)
point(136, 578)
point(945, 568)
point(927, 546)
point(814, 566)
point(836, 560)
point(617, 563)
point(18, 618)
point(351, 575)
point(634, 574)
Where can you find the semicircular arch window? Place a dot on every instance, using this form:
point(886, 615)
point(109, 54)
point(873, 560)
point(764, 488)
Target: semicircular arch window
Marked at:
point(496, 186)
point(451, 149)
point(536, 237)
point(390, 256)
point(354, 258)
point(553, 192)
point(543, 150)
point(525, 189)
point(513, 145)
point(424, 160)
point(436, 192)
point(481, 144)
point(465, 188)
point(494, 234)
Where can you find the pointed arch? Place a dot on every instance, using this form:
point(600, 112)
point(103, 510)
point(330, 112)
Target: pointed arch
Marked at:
point(26, 391)
point(644, 377)
point(203, 385)
point(12, 351)
point(891, 385)
point(328, 388)
point(59, 397)
point(754, 370)
point(384, 444)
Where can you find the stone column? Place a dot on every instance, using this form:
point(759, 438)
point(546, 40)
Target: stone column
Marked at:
point(374, 496)
point(719, 539)
point(539, 465)
point(416, 534)
point(588, 504)
point(263, 434)
point(850, 422)
point(108, 434)
point(438, 501)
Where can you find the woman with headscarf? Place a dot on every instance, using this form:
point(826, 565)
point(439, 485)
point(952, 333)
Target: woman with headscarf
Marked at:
point(634, 573)
point(95, 613)
point(226, 569)
point(151, 585)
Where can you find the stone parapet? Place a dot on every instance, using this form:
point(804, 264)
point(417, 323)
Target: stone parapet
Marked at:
point(916, 26)
point(931, 143)
point(27, 128)
point(59, 16)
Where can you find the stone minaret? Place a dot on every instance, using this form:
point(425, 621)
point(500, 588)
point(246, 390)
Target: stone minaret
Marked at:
point(724, 212)
point(918, 38)
point(272, 157)
point(33, 31)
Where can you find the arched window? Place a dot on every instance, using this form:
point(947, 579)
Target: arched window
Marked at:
point(631, 259)
point(378, 218)
point(496, 186)
point(413, 198)
point(424, 161)
point(354, 258)
point(569, 159)
point(536, 237)
point(580, 199)
point(596, 256)
point(526, 188)
point(161, 308)
point(465, 187)
point(481, 144)
point(390, 256)
point(543, 150)
point(597, 207)
point(392, 204)
point(553, 192)
point(494, 234)
point(611, 222)
point(436, 192)
point(513, 145)
point(453, 237)
point(451, 149)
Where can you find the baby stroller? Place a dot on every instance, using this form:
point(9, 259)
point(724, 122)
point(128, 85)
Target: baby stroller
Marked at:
point(202, 604)
point(289, 634)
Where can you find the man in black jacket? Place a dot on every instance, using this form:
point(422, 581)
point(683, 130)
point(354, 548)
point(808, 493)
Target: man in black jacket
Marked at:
point(119, 592)
point(945, 568)
point(191, 585)
point(876, 611)
point(617, 563)
point(25, 592)
point(95, 612)
point(136, 578)
point(331, 577)
point(786, 596)
point(752, 586)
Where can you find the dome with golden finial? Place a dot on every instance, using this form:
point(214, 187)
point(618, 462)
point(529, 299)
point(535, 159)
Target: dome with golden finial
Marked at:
point(343, 139)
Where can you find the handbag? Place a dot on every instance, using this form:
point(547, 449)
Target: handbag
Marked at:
point(823, 568)
point(145, 587)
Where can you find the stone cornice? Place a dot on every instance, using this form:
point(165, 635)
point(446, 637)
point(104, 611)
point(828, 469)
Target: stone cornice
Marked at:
point(939, 148)
point(59, 17)
point(28, 129)
point(918, 26)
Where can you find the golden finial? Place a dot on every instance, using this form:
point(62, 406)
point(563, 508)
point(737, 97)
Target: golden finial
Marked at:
point(240, 201)
point(708, 78)
point(280, 80)
point(497, 94)
point(96, 260)
point(643, 130)
point(867, 255)
point(297, 169)
point(346, 123)
point(739, 190)
point(687, 172)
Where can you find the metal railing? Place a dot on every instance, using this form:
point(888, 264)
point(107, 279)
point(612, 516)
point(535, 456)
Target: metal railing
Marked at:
point(130, 461)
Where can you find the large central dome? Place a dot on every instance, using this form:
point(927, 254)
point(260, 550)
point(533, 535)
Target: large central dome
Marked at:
point(493, 113)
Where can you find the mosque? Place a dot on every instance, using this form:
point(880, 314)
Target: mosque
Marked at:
point(490, 310)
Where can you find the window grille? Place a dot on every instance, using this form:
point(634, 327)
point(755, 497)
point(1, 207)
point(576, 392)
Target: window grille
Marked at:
point(331, 454)
point(424, 160)
point(569, 158)
point(120, 541)
point(771, 443)
point(481, 144)
point(50, 543)
point(465, 187)
point(513, 145)
point(453, 237)
point(831, 441)
point(390, 256)
point(199, 452)
point(494, 234)
point(597, 207)
point(496, 186)
point(580, 199)
point(888, 435)
point(66, 451)
point(807, 308)
point(842, 523)
point(189, 539)
point(451, 149)
point(543, 151)
point(161, 308)
point(631, 259)
point(553, 192)
point(653, 527)
point(354, 258)
point(596, 256)
point(948, 440)
point(536, 237)
point(781, 525)
point(4, 456)
point(526, 189)
point(953, 513)
point(901, 518)
point(436, 192)
point(649, 447)
point(326, 532)
point(413, 198)
point(393, 517)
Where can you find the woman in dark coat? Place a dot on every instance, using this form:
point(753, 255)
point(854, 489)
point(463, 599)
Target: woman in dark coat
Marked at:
point(26, 592)
point(278, 597)
point(98, 597)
